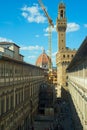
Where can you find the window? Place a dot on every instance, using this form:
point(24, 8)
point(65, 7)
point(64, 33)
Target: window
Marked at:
point(16, 99)
point(71, 55)
point(2, 105)
point(68, 56)
point(22, 95)
point(19, 97)
point(2, 69)
point(12, 101)
point(7, 103)
point(63, 56)
point(61, 13)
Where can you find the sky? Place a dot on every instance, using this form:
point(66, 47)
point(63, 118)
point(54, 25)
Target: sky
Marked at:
point(24, 23)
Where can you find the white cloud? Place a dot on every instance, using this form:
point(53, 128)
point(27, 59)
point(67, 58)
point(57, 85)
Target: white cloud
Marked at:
point(52, 29)
point(2, 39)
point(85, 25)
point(37, 36)
point(54, 54)
point(32, 57)
point(33, 14)
point(46, 34)
point(31, 48)
point(71, 27)
point(25, 14)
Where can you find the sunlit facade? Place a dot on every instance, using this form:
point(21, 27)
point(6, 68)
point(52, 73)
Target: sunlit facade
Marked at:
point(19, 88)
point(77, 84)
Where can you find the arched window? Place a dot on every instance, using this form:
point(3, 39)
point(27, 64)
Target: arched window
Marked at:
point(72, 55)
point(61, 13)
point(68, 56)
point(63, 56)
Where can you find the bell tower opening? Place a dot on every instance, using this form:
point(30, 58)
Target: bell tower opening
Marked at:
point(61, 14)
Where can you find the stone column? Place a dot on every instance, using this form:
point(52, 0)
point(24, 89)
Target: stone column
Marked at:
point(9, 102)
point(14, 97)
point(23, 93)
point(0, 105)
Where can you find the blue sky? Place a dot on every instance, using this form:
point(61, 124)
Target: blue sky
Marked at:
point(23, 22)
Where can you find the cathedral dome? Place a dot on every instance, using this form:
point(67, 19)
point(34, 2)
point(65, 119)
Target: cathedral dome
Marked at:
point(43, 60)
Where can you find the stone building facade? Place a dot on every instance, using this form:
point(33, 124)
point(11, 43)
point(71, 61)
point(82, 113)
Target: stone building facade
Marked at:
point(19, 90)
point(64, 54)
point(77, 84)
point(10, 49)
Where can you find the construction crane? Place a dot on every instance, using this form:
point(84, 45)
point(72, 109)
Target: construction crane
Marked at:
point(50, 33)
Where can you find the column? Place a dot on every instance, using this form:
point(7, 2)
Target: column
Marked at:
point(0, 106)
point(83, 110)
point(85, 121)
point(9, 101)
point(23, 93)
point(14, 97)
point(4, 75)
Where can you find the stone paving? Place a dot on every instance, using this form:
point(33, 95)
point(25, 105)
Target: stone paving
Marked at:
point(62, 119)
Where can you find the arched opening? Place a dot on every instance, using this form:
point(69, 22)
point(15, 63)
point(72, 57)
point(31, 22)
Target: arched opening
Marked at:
point(61, 14)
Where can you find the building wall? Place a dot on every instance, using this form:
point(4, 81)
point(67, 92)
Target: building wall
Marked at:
point(1, 49)
point(63, 58)
point(19, 88)
point(6, 52)
point(10, 50)
point(16, 51)
point(77, 84)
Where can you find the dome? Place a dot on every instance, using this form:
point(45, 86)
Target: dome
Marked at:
point(43, 60)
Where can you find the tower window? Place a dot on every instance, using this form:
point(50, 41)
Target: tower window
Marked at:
point(68, 56)
point(63, 56)
point(72, 56)
point(61, 13)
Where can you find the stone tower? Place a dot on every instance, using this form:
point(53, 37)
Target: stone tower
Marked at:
point(61, 27)
point(64, 54)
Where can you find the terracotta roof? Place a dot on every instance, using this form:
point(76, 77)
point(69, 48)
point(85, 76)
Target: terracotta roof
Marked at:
point(43, 59)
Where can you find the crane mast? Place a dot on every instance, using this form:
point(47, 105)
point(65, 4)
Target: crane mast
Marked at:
point(49, 33)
